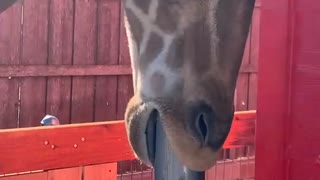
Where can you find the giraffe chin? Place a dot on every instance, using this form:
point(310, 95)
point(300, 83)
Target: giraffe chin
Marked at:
point(140, 120)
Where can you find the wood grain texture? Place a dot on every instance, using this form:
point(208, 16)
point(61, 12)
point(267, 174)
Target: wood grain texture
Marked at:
point(34, 51)
point(73, 145)
point(101, 172)
point(273, 86)
point(85, 44)
point(303, 133)
point(65, 174)
point(9, 54)
point(86, 144)
point(33, 176)
point(107, 55)
point(125, 86)
point(241, 97)
point(60, 52)
point(254, 59)
point(242, 131)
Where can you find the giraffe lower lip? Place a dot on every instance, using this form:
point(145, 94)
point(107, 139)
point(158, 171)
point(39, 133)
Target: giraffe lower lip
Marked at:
point(151, 136)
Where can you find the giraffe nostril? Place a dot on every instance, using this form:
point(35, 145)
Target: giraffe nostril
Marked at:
point(202, 119)
point(202, 127)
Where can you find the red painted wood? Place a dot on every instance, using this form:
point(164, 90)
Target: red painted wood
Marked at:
point(288, 127)
point(305, 96)
point(241, 103)
point(65, 174)
point(254, 59)
point(34, 52)
point(45, 148)
point(243, 128)
point(9, 54)
point(125, 87)
point(86, 144)
point(33, 176)
point(107, 55)
point(85, 44)
point(101, 172)
point(273, 90)
point(60, 52)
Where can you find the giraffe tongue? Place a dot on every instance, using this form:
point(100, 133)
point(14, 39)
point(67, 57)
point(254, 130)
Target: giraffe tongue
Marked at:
point(150, 132)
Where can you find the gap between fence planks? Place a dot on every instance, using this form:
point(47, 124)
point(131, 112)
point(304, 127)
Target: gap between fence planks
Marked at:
point(77, 70)
point(47, 148)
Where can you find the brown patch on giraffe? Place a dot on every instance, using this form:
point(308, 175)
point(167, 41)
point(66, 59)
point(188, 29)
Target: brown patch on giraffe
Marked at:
point(168, 16)
point(136, 27)
point(197, 48)
point(175, 54)
point(157, 83)
point(229, 33)
point(143, 5)
point(154, 47)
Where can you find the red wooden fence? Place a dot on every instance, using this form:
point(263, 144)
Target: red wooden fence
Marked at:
point(67, 146)
point(70, 58)
point(288, 138)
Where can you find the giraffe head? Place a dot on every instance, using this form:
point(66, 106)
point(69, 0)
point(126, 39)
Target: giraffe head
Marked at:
point(185, 56)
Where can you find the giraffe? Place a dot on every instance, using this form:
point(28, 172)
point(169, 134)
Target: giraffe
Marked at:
point(185, 58)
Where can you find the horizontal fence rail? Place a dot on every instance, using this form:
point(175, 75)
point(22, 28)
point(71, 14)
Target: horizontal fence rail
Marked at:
point(56, 147)
point(77, 70)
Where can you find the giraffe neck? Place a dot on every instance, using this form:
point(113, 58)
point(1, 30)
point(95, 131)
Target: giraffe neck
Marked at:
point(153, 37)
point(149, 51)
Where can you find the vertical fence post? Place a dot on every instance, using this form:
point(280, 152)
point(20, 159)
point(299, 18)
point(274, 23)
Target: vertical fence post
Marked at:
point(167, 166)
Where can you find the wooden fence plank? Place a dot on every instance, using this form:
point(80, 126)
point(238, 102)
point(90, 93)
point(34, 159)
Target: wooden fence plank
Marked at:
point(85, 43)
point(241, 96)
point(107, 54)
point(35, 51)
point(125, 88)
point(66, 174)
point(101, 172)
point(63, 70)
point(9, 54)
point(45, 148)
point(241, 103)
point(60, 52)
point(254, 59)
point(33, 176)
